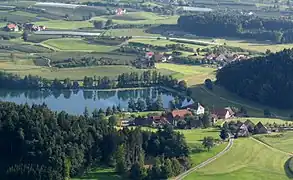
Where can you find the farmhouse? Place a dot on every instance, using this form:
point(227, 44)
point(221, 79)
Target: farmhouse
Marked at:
point(149, 55)
point(120, 11)
point(176, 115)
point(158, 120)
point(32, 27)
point(224, 113)
point(12, 27)
point(197, 107)
point(242, 131)
point(259, 128)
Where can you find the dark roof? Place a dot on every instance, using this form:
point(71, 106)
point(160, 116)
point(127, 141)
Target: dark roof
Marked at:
point(192, 106)
point(220, 112)
point(248, 122)
point(260, 125)
point(181, 113)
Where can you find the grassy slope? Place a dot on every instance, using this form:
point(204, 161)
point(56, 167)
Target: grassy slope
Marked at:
point(263, 120)
point(284, 142)
point(192, 74)
point(247, 160)
point(74, 44)
point(255, 46)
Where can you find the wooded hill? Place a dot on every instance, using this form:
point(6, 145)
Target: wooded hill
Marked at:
point(268, 79)
point(232, 24)
point(37, 143)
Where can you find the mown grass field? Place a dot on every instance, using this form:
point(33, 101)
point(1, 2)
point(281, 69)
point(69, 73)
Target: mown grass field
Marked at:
point(254, 46)
point(247, 160)
point(192, 74)
point(140, 18)
point(282, 140)
point(75, 44)
point(62, 24)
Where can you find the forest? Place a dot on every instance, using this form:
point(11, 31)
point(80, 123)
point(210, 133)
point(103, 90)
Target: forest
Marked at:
point(268, 79)
point(125, 80)
point(37, 143)
point(231, 24)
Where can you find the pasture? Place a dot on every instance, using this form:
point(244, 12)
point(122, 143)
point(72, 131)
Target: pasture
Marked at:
point(62, 24)
point(255, 46)
point(263, 120)
point(75, 44)
point(247, 160)
point(282, 140)
point(139, 18)
point(192, 74)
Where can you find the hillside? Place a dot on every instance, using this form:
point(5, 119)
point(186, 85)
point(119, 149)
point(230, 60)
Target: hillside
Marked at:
point(247, 160)
point(267, 80)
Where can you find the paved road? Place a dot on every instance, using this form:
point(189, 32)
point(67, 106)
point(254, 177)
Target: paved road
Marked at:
point(186, 173)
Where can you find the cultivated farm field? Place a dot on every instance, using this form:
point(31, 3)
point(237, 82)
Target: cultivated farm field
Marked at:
point(74, 44)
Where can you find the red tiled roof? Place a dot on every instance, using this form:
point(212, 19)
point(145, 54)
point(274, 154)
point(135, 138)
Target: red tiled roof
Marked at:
point(11, 26)
point(181, 113)
point(150, 53)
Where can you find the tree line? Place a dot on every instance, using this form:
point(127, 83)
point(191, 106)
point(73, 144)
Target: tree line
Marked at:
point(232, 24)
point(267, 80)
point(125, 80)
point(37, 143)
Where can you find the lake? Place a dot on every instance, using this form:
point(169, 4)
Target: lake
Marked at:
point(75, 101)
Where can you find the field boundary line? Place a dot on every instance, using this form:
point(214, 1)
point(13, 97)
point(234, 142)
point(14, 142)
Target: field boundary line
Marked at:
point(271, 147)
point(203, 164)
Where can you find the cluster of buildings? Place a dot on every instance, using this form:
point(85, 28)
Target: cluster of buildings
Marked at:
point(158, 57)
point(120, 11)
point(248, 127)
point(172, 117)
point(226, 57)
point(28, 26)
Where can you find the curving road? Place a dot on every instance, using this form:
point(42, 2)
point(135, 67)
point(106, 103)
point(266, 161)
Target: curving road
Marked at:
point(186, 173)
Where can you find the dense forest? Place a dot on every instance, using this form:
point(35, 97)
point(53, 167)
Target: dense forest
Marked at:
point(268, 79)
point(125, 80)
point(37, 143)
point(219, 24)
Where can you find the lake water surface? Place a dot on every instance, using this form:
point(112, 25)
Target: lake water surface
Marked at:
point(75, 101)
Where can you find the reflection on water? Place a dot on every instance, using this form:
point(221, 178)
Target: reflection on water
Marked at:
point(74, 101)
